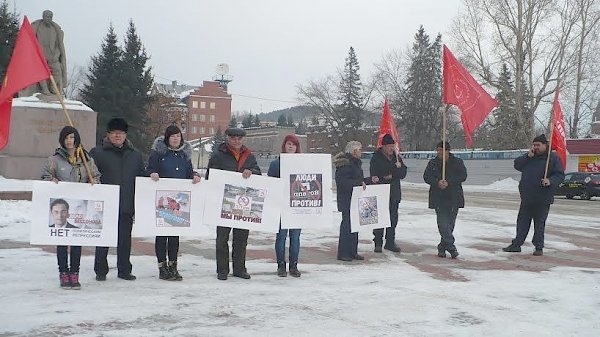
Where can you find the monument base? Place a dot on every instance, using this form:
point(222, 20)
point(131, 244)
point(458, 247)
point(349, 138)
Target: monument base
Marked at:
point(34, 128)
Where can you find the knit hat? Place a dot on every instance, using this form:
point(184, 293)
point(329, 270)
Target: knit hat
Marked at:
point(440, 145)
point(387, 139)
point(172, 130)
point(541, 139)
point(117, 124)
point(67, 130)
point(294, 140)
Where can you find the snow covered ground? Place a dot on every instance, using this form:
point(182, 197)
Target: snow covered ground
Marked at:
point(485, 292)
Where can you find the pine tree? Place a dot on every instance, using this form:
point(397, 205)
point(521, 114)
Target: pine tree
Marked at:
point(233, 122)
point(301, 128)
point(256, 121)
point(136, 84)
point(282, 121)
point(9, 28)
point(421, 102)
point(503, 129)
point(217, 139)
point(350, 93)
point(102, 90)
point(247, 121)
point(290, 121)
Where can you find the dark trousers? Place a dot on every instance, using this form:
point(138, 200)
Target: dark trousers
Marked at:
point(348, 242)
point(164, 245)
point(527, 212)
point(123, 249)
point(62, 255)
point(390, 232)
point(238, 254)
point(446, 219)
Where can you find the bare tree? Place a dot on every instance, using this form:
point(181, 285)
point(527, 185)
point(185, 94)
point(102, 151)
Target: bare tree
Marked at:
point(75, 81)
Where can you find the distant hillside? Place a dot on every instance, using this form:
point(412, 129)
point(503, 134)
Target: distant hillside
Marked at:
point(297, 113)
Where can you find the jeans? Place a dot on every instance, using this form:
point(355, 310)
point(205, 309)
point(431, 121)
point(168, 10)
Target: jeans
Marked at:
point(123, 249)
point(390, 232)
point(62, 257)
point(527, 212)
point(446, 219)
point(294, 245)
point(164, 244)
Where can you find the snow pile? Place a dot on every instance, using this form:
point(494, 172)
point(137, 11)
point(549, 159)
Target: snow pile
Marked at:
point(7, 185)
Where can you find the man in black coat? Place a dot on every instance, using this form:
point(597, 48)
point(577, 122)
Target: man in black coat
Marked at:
point(389, 168)
point(537, 193)
point(348, 174)
point(119, 162)
point(446, 195)
point(232, 155)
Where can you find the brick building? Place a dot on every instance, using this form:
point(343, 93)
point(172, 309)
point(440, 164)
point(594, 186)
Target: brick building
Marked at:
point(209, 108)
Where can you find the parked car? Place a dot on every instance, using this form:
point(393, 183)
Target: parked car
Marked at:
point(582, 184)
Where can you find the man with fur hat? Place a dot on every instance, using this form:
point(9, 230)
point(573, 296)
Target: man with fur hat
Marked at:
point(389, 168)
point(119, 162)
point(446, 195)
point(537, 193)
point(233, 155)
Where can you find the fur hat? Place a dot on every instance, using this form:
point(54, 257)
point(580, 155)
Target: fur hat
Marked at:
point(117, 124)
point(294, 140)
point(67, 130)
point(440, 145)
point(541, 138)
point(172, 130)
point(387, 139)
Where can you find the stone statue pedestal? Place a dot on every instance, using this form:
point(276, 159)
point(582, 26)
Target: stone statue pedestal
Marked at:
point(34, 126)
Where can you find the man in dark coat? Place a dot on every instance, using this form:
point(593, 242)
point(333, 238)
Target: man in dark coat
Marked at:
point(348, 174)
point(389, 168)
point(537, 193)
point(232, 155)
point(119, 162)
point(446, 195)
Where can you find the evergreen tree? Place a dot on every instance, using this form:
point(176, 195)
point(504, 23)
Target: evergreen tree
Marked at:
point(247, 121)
point(136, 85)
point(217, 139)
point(233, 122)
point(102, 91)
point(504, 127)
point(281, 121)
point(9, 27)
point(420, 102)
point(256, 121)
point(290, 121)
point(301, 128)
point(350, 93)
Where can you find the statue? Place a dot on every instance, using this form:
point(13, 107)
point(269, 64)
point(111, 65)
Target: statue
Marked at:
point(50, 37)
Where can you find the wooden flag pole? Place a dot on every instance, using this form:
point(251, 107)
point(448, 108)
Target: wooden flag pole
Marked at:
point(444, 141)
point(79, 150)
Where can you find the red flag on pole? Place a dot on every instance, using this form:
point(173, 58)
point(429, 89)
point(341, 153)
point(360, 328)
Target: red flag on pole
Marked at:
point(388, 126)
point(27, 66)
point(559, 141)
point(461, 89)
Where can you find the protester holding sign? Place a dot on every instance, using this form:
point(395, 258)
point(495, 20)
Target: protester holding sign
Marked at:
point(67, 164)
point(170, 158)
point(232, 155)
point(290, 145)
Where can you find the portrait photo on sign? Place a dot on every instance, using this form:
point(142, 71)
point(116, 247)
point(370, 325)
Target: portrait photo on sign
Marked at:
point(75, 213)
point(306, 190)
point(172, 208)
point(367, 209)
point(244, 203)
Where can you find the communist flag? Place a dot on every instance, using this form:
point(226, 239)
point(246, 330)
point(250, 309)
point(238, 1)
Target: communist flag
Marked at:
point(559, 139)
point(388, 126)
point(27, 66)
point(461, 89)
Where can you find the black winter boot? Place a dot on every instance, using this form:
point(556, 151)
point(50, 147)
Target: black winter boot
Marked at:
point(174, 271)
point(164, 273)
point(294, 269)
point(512, 248)
point(281, 272)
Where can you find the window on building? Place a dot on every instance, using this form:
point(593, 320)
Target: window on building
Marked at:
point(212, 131)
point(194, 117)
point(202, 118)
point(194, 104)
point(202, 105)
point(194, 129)
point(212, 118)
point(213, 105)
point(201, 130)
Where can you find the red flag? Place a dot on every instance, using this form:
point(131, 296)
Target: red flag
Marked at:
point(27, 66)
point(559, 139)
point(461, 89)
point(388, 126)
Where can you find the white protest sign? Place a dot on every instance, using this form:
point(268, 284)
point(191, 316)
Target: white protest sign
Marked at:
point(369, 208)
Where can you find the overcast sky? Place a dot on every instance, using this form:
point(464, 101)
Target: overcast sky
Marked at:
point(269, 45)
